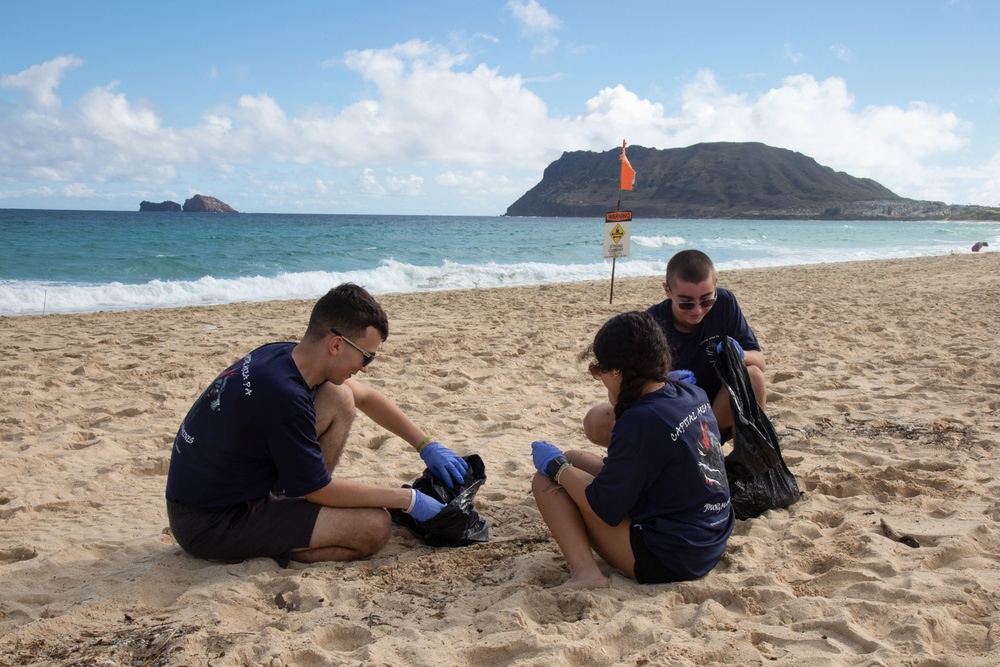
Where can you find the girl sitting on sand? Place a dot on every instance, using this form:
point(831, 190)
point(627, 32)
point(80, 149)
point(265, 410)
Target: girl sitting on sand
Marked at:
point(657, 507)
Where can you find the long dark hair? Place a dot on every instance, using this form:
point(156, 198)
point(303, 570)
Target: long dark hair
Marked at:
point(633, 344)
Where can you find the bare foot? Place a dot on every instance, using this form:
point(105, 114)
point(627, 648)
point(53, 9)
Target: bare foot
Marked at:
point(583, 582)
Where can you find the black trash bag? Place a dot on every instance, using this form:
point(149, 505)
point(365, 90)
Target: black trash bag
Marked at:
point(459, 522)
point(759, 480)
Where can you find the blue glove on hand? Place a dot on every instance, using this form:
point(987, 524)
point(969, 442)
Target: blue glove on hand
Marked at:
point(542, 454)
point(718, 348)
point(681, 376)
point(444, 464)
point(425, 508)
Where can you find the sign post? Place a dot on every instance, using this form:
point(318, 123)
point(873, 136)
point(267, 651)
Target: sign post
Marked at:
point(618, 223)
point(617, 239)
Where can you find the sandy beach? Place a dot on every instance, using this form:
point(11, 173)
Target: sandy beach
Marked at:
point(885, 390)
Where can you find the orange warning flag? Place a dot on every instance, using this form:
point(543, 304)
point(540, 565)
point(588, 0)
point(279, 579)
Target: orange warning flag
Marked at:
point(628, 173)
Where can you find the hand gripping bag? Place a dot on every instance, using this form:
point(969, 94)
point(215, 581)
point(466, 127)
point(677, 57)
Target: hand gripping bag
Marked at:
point(459, 522)
point(759, 480)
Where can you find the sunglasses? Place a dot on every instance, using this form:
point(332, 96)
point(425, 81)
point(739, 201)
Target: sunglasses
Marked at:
point(369, 356)
point(704, 303)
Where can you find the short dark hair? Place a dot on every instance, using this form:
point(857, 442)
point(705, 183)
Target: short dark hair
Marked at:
point(349, 309)
point(691, 266)
point(634, 344)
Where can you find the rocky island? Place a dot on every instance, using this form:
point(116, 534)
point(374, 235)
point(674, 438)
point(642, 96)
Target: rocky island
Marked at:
point(722, 180)
point(196, 204)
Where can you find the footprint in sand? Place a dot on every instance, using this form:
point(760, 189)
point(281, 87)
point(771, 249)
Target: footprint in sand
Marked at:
point(17, 554)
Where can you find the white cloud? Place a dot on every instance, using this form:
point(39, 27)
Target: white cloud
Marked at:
point(789, 53)
point(434, 119)
point(533, 17)
point(537, 24)
point(40, 81)
point(404, 184)
point(841, 52)
point(820, 119)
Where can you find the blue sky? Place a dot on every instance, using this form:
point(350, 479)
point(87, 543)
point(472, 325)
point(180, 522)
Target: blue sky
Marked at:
point(456, 107)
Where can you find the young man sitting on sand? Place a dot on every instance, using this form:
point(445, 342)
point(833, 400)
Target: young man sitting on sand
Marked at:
point(696, 317)
point(250, 470)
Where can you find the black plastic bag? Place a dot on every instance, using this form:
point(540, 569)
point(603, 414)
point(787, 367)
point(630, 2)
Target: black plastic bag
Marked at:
point(459, 522)
point(759, 480)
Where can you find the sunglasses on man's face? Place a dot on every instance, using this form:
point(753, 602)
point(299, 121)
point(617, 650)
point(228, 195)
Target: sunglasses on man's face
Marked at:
point(704, 303)
point(369, 356)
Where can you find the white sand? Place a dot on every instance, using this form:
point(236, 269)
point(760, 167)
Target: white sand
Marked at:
point(885, 388)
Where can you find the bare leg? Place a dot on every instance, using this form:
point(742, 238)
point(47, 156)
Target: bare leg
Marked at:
point(759, 383)
point(334, 415)
point(598, 422)
point(722, 410)
point(585, 461)
point(570, 532)
point(342, 534)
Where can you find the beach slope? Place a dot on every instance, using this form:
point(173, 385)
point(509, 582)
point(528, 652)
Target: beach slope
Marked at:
point(885, 389)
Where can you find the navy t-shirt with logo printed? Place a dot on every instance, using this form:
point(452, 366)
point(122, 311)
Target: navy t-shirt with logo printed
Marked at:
point(665, 471)
point(253, 426)
point(694, 351)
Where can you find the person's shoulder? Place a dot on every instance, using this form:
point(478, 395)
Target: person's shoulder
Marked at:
point(691, 393)
point(723, 293)
point(658, 309)
point(726, 300)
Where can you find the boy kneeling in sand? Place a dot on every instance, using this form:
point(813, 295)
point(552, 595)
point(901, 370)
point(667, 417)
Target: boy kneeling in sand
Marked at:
point(657, 508)
point(696, 317)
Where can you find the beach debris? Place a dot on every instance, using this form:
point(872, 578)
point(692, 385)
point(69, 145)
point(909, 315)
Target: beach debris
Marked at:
point(939, 431)
point(282, 603)
point(137, 644)
point(896, 536)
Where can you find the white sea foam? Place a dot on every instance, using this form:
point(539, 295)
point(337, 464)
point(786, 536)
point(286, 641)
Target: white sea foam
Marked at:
point(34, 297)
point(294, 257)
point(658, 241)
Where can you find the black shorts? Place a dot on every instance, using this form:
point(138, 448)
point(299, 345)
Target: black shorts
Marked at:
point(648, 568)
point(270, 527)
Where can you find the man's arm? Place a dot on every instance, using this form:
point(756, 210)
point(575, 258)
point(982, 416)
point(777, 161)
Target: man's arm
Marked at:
point(348, 493)
point(384, 412)
point(443, 463)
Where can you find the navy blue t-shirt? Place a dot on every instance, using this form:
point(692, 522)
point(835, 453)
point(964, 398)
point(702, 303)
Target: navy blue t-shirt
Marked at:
point(665, 471)
point(254, 425)
point(694, 351)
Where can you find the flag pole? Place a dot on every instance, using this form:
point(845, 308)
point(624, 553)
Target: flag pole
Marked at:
point(611, 296)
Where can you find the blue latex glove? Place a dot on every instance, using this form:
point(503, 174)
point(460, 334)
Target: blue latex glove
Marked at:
point(425, 508)
point(542, 454)
point(718, 348)
point(444, 464)
point(682, 375)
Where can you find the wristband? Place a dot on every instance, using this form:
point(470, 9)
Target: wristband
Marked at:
point(555, 477)
point(420, 445)
point(413, 501)
point(554, 466)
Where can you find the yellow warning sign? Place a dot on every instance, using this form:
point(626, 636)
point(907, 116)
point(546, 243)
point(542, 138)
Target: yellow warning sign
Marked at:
point(616, 238)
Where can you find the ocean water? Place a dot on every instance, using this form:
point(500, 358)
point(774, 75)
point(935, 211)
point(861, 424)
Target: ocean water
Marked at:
point(77, 261)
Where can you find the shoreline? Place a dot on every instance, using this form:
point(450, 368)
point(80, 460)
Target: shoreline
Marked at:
point(883, 379)
point(380, 295)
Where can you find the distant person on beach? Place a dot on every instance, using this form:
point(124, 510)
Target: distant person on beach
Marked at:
point(250, 471)
point(696, 318)
point(657, 507)
point(979, 245)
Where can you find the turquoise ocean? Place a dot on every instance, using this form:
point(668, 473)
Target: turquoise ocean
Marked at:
point(79, 261)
